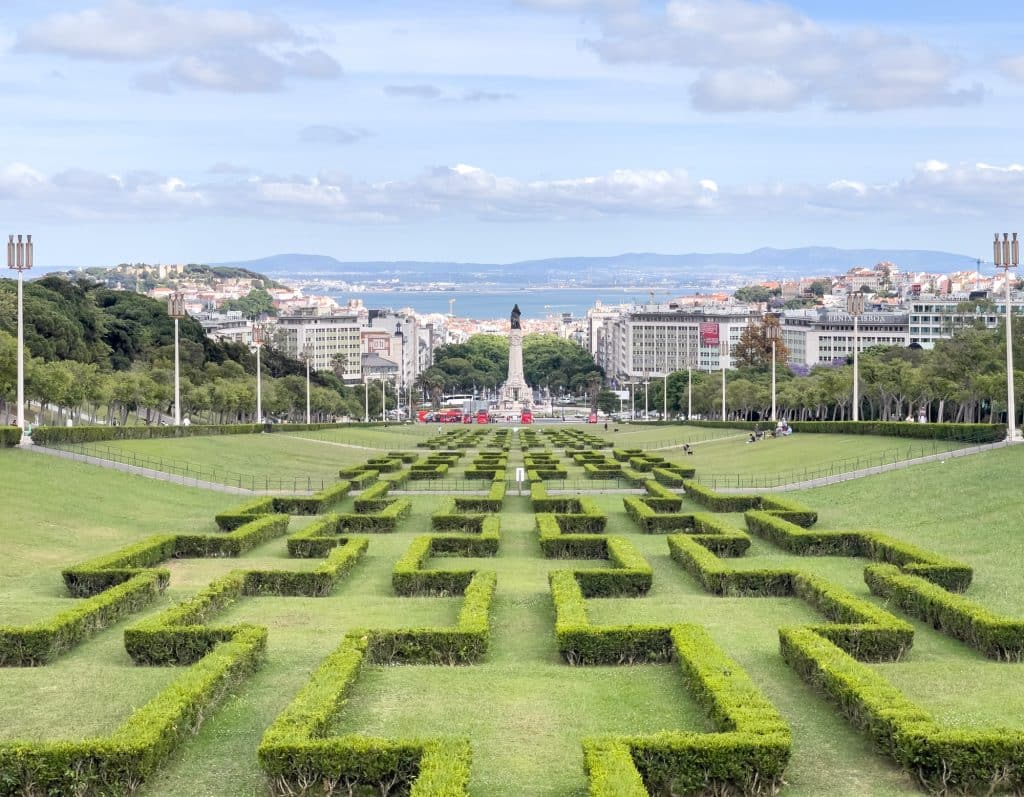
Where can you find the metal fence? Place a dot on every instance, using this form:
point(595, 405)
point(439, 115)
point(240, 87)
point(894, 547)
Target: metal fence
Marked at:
point(201, 473)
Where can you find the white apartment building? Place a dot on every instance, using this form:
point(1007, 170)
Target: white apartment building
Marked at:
point(653, 340)
point(820, 335)
point(324, 335)
point(935, 317)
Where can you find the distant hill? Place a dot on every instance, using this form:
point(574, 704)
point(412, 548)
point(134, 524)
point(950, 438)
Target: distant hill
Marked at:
point(617, 269)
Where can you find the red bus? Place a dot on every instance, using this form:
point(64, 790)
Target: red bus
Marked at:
point(482, 416)
point(526, 417)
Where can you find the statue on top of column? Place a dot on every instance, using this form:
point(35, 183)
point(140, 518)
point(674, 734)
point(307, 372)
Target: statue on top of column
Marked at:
point(515, 317)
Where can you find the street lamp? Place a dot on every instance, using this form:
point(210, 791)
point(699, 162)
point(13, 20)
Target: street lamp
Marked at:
point(176, 310)
point(307, 356)
point(400, 379)
point(773, 335)
point(1006, 255)
point(723, 356)
point(19, 258)
point(855, 307)
point(258, 331)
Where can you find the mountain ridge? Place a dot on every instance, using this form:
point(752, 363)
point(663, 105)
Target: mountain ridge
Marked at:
point(765, 262)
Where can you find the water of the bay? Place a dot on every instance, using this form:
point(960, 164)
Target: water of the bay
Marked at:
point(533, 302)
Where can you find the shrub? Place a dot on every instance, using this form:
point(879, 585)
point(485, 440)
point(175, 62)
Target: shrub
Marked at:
point(997, 637)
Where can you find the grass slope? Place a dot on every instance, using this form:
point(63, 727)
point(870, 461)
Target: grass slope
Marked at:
point(523, 709)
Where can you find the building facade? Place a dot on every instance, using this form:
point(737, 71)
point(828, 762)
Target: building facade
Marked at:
point(332, 339)
point(653, 340)
point(820, 335)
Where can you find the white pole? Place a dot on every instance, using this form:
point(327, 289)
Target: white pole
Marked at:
point(21, 359)
point(383, 397)
point(664, 398)
point(1011, 404)
point(309, 415)
point(366, 399)
point(856, 372)
point(723, 388)
point(177, 377)
point(259, 386)
point(647, 392)
point(773, 381)
point(689, 392)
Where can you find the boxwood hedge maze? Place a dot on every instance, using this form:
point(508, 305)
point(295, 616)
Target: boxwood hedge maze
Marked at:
point(506, 658)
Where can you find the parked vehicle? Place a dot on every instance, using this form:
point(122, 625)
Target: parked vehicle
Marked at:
point(526, 417)
point(482, 416)
point(592, 418)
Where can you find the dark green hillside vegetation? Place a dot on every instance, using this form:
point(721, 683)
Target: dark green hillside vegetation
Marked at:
point(98, 353)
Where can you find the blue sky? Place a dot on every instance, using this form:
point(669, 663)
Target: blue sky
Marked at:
point(507, 129)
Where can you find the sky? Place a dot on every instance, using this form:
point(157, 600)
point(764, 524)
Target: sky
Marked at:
point(504, 130)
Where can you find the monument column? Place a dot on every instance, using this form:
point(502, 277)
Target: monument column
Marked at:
point(515, 392)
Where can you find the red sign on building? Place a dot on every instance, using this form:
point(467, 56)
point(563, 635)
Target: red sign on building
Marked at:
point(708, 334)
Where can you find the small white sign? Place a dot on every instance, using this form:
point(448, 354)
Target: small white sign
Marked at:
point(520, 474)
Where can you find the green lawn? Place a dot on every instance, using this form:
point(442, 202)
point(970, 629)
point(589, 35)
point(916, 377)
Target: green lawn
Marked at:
point(523, 709)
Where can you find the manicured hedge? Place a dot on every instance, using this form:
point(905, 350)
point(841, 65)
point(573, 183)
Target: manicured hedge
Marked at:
point(856, 625)
point(9, 436)
point(369, 499)
point(720, 502)
point(542, 502)
point(942, 759)
point(965, 432)
point(42, 642)
point(116, 764)
point(999, 638)
point(409, 577)
point(383, 521)
point(878, 547)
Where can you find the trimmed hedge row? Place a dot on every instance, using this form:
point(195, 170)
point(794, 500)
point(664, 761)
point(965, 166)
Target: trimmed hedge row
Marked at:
point(296, 754)
point(997, 637)
point(878, 547)
point(42, 642)
point(966, 432)
point(448, 518)
point(942, 759)
point(382, 521)
point(95, 575)
point(9, 436)
point(542, 502)
point(409, 577)
point(369, 500)
point(116, 764)
point(857, 626)
point(491, 503)
point(314, 504)
point(181, 635)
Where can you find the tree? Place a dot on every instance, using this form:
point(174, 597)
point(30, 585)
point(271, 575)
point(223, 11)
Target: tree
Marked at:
point(754, 348)
point(253, 305)
point(755, 294)
point(819, 287)
point(607, 401)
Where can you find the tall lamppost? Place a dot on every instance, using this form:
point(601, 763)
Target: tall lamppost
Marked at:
point(258, 331)
point(176, 310)
point(366, 398)
point(773, 335)
point(689, 379)
point(724, 357)
point(19, 258)
point(400, 380)
point(855, 307)
point(307, 355)
point(664, 397)
point(1006, 255)
point(383, 396)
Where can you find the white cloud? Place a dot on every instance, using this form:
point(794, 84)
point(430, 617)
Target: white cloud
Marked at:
point(1013, 68)
point(214, 49)
point(931, 190)
point(332, 134)
point(752, 55)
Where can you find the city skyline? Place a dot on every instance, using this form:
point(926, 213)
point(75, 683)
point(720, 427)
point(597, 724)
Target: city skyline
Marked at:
point(188, 132)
